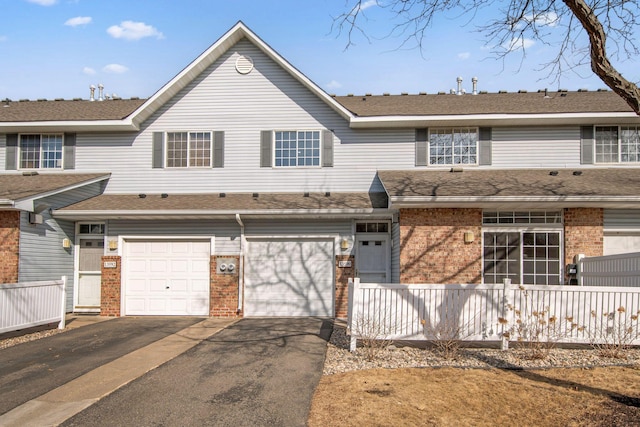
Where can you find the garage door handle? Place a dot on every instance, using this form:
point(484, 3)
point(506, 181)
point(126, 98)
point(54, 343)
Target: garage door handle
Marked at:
point(167, 287)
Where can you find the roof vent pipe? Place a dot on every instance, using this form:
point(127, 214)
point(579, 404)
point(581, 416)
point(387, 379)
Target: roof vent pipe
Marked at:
point(92, 89)
point(100, 92)
point(474, 81)
point(459, 80)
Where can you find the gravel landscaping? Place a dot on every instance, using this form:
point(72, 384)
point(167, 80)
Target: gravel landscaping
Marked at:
point(339, 359)
point(19, 337)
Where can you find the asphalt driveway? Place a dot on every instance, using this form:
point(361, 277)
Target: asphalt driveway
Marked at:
point(253, 372)
point(256, 372)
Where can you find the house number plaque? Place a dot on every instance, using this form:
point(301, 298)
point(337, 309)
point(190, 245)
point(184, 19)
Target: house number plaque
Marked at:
point(109, 264)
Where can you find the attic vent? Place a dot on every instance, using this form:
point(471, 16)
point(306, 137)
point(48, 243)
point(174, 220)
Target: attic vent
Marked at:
point(244, 64)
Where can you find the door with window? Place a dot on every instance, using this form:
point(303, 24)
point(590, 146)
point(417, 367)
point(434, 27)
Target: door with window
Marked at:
point(373, 253)
point(90, 253)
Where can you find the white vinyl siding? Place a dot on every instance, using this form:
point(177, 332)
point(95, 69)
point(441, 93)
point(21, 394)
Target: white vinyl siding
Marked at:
point(242, 106)
point(535, 147)
point(621, 231)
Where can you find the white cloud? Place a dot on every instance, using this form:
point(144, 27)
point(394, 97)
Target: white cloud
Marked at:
point(333, 84)
point(115, 69)
point(367, 4)
point(44, 2)
point(518, 44)
point(78, 20)
point(89, 71)
point(464, 55)
point(130, 30)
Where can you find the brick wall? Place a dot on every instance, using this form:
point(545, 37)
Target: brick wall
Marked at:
point(583, 232)
point(9, 246)
point(110, 289)
point(432, 247)
point(343, 274)
point(224, 291)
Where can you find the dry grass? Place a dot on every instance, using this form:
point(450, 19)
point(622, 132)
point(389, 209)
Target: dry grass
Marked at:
point(446, 397)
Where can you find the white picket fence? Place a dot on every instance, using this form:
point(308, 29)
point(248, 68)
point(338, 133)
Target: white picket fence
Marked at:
point(485, 312)
point(23, 305)
point(610, 270)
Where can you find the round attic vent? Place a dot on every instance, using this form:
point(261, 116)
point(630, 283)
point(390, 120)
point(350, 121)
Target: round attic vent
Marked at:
point(244, 64)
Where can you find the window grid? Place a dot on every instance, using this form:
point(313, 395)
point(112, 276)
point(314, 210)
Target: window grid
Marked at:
point(297, 148)
point(629, 144)
point(524, 217)
point(453, 146)
point(188, 149)
point(607, 144)
point(41, 151)
point(530, 258)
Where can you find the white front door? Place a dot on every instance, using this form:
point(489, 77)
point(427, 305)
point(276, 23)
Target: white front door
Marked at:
point(373, 258)
point(90, 253)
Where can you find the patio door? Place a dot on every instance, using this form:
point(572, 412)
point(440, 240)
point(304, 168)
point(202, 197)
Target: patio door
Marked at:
point(90, 253)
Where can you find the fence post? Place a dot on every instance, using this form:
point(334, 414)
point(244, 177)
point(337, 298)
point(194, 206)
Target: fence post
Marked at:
point(63, 308)
point(353, 318)
point(579, 261)
point(506, 284)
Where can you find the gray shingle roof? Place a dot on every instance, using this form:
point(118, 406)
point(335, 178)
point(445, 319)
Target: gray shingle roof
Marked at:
point(18, 186)
point(484, 103)
point(34, 111)
point(614, 182)
point(231, 202)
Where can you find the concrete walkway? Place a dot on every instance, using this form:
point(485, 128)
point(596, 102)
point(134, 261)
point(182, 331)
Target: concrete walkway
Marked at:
point(70, 398)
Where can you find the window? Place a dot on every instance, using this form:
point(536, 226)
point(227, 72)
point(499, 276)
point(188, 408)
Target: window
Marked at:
point(188, 149)
point(297, 148)
point(617, 144)
point(94, 228)
point(526, 254)
point(41, 151)
point(456, 146)
point(372, 227)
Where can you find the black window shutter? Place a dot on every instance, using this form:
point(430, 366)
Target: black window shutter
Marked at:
point(484, 142)
point(158, 150)
point(11, 153)
point(327, 149)
point(69, 151)
point(586, 145)
point(266, 150)
point(422, 137)
point(218, 149)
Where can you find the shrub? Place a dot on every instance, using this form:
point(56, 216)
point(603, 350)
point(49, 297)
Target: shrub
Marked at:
point(612, 333)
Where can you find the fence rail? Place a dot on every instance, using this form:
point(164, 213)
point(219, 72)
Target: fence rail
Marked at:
point(610, 270)
point(483, 312)
point(24, 305)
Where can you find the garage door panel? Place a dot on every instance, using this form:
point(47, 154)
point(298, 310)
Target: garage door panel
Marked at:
point(289, 277)
point(164, 277)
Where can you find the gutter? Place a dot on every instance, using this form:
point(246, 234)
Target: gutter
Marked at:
point(241, 265)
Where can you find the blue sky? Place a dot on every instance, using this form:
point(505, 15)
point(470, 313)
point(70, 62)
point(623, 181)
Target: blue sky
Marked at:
point(58, 48)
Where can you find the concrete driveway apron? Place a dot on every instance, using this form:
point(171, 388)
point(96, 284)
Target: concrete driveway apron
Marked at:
point(256, 372)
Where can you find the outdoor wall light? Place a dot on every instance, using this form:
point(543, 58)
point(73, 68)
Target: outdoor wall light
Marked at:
point(469, 237)
point(66, 243)
point(344, 244)
point(113, 245)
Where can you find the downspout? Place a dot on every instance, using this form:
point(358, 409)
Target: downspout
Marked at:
point(241, 265)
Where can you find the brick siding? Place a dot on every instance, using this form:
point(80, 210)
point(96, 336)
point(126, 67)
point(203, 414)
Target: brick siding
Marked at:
point(583, 232)
point(343, 274)
point(111, 286)
point(9, 246)
point(432, 247)
point(224, 291)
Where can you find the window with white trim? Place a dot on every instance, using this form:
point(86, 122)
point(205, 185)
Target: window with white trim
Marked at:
point(528, 253)
point(297, 148)
point(453, 146)
point(42, 151)
point(188, 149)
point(617, 144)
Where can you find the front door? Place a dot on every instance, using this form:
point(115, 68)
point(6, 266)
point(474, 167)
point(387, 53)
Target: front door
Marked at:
point(373, 258)
point(90, 253)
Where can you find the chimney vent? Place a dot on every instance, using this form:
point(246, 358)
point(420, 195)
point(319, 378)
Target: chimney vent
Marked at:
point(92, 90)
point(100, 92)
point(474, 81)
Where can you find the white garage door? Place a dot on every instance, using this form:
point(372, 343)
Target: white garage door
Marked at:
point(292, 277)
point(167, 277)
point(621, 244)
